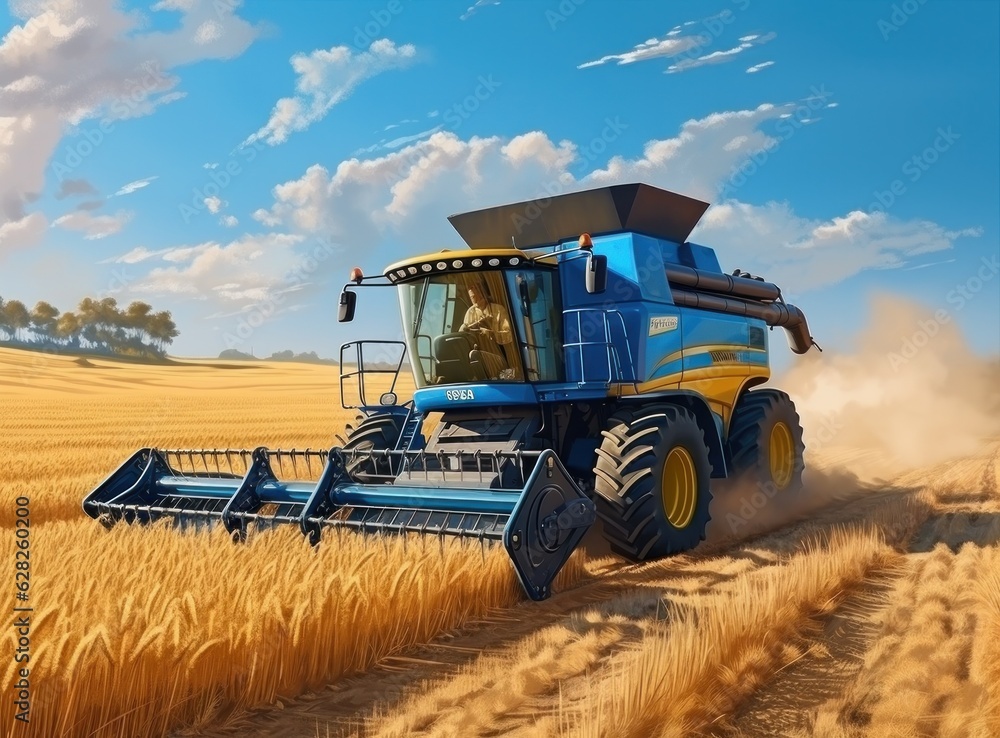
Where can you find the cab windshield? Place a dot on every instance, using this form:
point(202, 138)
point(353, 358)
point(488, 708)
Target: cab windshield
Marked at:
point(499, 326)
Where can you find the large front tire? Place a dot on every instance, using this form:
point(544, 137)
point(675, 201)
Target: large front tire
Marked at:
point(652, 482)
point(367, 436)
point(765, 441)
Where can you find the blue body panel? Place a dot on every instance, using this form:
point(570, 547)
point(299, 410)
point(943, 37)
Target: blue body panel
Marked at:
point(655, 329)
point(455, 499)
point(652, 338)
point(493, 394)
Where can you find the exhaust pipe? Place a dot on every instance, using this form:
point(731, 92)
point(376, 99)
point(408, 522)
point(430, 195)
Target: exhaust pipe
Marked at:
point(778, 314)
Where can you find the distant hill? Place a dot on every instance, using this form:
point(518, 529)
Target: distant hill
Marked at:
point(310, 357)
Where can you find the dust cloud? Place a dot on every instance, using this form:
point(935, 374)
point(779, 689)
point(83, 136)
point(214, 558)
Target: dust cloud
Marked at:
point(910, 394)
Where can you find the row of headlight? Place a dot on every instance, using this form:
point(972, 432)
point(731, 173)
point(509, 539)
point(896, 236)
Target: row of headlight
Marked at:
point(441, 266)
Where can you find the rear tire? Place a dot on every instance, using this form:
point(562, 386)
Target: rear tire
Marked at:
point(652, 482)
point(372, 433)
point(765, 441)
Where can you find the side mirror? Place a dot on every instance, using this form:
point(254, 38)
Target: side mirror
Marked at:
point(348, 301)
point(597, 274)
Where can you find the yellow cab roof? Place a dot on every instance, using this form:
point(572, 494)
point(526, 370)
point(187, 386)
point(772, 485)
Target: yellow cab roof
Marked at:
point(457, 261)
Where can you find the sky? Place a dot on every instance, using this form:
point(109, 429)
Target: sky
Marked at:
point(230, 162)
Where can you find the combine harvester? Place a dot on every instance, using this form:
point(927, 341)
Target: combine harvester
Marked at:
point(584, 361)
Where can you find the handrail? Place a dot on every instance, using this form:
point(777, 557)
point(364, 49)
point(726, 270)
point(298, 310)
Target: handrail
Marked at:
point(361, 371)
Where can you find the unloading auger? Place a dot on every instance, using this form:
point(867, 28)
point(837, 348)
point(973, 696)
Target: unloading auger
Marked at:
point(600, 368)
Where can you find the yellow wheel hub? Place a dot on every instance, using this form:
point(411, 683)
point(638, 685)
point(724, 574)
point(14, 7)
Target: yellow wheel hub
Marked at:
point(781, 453)
point(680, 487)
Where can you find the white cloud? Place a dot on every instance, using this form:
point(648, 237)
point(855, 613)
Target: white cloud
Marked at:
point(22, 232)
point(229, 221)
point(135, 256)
point(207, 32)
point(975, 232)
point(128, 189)
point(395, 143)
point(249, 269)
point(720, 57)
point(804, 253)
point(64, 63)
point(182, 5)
point(409, 190)
point(214, 204)
point(400, 123)
point(210, 165)
point(757, 67)
point(364, 198)
point(672, 45)
point(371, 203)
point(327, 77)
point(929, 264)
point(471, 10)
point(93, 226)
point(685, 44)
point(700, 156)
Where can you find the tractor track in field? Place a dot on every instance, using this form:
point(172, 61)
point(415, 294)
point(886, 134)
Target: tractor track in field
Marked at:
point(894, 657)
point(625, 598)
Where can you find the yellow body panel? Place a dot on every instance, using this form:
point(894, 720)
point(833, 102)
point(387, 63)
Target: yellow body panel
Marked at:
point(720, 384)
point(721, 348)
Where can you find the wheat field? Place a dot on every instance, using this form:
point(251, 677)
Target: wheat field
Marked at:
point(878, 617)
point(139, 630)
point(864, 608)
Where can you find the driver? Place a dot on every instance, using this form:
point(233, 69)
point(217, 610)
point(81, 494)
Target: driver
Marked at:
point(490, 323)
point(487, 319)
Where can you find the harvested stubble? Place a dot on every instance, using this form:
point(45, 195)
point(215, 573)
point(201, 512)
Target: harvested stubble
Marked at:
point(709, 655)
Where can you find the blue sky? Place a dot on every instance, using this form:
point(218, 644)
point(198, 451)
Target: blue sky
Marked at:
point(351, 130)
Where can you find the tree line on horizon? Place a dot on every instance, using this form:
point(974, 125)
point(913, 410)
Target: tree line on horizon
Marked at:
point(99, 326)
